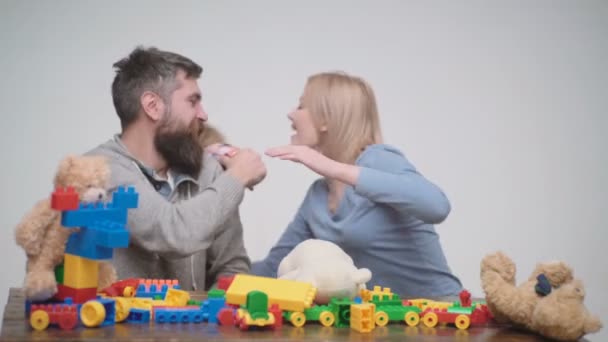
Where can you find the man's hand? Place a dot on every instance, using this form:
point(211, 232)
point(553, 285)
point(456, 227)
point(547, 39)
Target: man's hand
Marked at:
point(246, 165)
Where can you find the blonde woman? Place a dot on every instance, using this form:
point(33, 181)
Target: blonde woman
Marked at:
point(370, 201)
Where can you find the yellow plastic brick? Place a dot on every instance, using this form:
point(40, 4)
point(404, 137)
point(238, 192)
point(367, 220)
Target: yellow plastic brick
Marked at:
point(176, 297)
point(362, 317)
point(287, 294)
point(79, 272)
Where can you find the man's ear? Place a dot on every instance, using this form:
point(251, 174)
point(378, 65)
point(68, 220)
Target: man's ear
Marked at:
point(153, 105)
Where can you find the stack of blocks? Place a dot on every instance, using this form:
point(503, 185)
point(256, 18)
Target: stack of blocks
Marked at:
point(102, 228)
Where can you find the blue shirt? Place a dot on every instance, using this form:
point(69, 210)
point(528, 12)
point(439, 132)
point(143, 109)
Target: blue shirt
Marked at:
point(384, 222)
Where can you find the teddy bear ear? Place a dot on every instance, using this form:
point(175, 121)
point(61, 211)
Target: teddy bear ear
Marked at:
point(64, 165)
point(362, 276)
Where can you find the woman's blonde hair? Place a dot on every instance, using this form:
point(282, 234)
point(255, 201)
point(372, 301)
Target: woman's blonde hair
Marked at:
point(345, 106)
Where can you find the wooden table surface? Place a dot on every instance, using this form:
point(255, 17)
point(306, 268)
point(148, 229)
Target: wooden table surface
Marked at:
point(15, 327)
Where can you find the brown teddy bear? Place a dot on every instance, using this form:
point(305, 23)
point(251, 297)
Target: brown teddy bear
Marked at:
point(41, 235)
point(549, 303)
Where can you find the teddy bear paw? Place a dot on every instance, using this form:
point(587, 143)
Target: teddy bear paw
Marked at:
point(40, 286)
point(592, 324)
point(499, 263)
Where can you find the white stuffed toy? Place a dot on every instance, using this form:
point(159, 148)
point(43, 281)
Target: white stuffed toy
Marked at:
point(327, 267)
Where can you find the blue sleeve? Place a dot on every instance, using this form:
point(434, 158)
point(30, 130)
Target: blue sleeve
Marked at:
point(297, 231)
point(386, 176)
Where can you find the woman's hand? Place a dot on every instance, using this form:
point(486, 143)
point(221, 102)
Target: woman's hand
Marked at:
point(317, 162)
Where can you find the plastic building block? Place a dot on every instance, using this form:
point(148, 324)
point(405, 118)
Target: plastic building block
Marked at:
point(150, 288)
point(97, 241)
point(362, 317)
point(178, 315)
point(216, 293)
point(64, 314)
point(64, 199)
point(124, 288)
point(278, 315)
point(115, 211)
point(59, 271)
point(99, 312)
point(226, 316)
point(255, 312)
point(318, 313)
point(211, 307)
point(396, 313)
point(290, 295)
point(175, 297)
point(77, 295)
point(125, 197)
point(80, 273)
point(341, 310)
point(223, 282)
point(377, 293)
point(138, 316)
point(465, 298)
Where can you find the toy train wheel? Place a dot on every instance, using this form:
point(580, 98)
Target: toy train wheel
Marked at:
point(430, 319)
point(243, 326)
point(327, 319)
point(298, 319)
point(412, 318)
point(92, 314)
point(462, 322)
point(381, 318)
point(225, 316)
point(39, 320)
point(129, 291)
point(68, 320)
point(121, 310)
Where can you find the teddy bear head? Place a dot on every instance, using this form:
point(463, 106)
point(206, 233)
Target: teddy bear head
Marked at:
point(88, 175)
point(550, 302)
point(327, 267)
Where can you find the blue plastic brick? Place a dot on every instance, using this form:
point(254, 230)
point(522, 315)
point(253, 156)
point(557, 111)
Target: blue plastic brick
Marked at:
point(211, 307)
point(88, 214)
point(153, 291)
point(138, 316)
point(114, 211)
point(83, 245)
point(177, 315)
point(110, 234)
point(125, 197)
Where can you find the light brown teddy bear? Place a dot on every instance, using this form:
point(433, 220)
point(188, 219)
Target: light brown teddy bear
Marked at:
point(549, 303)
point(41, 235)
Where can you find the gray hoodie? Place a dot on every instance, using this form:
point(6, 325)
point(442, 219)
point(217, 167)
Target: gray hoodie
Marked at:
point(191, 232)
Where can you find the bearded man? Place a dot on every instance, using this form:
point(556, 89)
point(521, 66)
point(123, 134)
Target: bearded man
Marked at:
point(187, 224)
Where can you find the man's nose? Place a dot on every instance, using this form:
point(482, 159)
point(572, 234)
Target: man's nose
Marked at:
point(202, 114)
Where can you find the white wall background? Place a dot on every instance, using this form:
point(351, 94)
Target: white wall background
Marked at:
point(503, 104)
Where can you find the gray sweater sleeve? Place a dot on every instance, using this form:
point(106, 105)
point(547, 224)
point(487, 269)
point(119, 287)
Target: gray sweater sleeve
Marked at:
point(176, 230)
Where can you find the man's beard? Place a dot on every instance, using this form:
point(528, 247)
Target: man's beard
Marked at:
point(179, 146)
